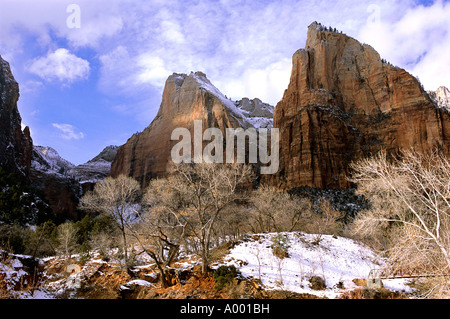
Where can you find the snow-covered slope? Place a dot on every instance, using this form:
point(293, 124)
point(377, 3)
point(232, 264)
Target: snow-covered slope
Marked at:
point(249, 113)
point(337, 260)
point(48, 161)
point(441, 97)
point(96, 169)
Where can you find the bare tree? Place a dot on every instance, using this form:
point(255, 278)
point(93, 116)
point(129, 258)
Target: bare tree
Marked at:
point(117, 197)
point(159, 234)
point(276, 210)
point(325, 221)
point(67, 238)
point(410, 200)
point(194, 197)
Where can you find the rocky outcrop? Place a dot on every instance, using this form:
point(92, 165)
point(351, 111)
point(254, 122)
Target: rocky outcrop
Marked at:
point(15, 145)
point(97, 168)
point(186, 98)
point(343, 103)
point(63, 183)
point(49, 175)
point(441, 97)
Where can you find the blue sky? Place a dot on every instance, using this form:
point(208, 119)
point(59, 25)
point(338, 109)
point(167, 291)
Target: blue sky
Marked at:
point(91, 75)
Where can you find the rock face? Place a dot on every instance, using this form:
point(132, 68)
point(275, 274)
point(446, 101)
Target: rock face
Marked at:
point(97, 168)
point(15, 145)
point(47, 159)
point(186, 98)
point(63, 183)
point(343, 103)
point(441, 97)
point(50, 175)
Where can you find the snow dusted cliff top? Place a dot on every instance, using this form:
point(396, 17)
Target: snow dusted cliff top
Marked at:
point(47, 160)
point(441, 97)
point(249, 113)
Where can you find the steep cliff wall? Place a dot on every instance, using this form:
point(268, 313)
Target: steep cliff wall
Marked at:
point(186, 98)
point(16, 146)
point(344, 102)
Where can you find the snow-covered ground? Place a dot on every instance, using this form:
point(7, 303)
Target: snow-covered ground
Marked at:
point(337, 260)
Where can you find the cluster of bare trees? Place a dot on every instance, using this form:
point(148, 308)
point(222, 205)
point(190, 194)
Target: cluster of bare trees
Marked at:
point(409, 216)
point(200, 205)
point(195, 208)
point(182, 210)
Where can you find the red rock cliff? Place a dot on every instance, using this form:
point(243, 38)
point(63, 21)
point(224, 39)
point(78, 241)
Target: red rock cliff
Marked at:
point(186, 98)
point(343, 102)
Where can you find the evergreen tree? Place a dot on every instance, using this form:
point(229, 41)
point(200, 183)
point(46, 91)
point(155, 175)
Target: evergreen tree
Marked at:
point(20, 204)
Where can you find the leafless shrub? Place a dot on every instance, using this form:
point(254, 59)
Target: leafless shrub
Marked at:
point(116, 197)
point(326, 221)
point(275, 210)
point(410, 199)
point(195, 198)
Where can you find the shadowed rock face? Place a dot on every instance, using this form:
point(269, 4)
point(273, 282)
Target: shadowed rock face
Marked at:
point(186, 98)
point(16, 146)
point(63, 183)
point(344, 103)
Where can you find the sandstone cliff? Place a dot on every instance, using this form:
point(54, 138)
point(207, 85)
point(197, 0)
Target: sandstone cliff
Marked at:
point(186, 98)
point(15, 145)
point(344, 102)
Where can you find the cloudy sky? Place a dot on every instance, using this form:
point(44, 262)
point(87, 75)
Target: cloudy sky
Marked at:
point(91, 73)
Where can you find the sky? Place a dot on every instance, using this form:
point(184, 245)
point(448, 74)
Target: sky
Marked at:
point(91, 73)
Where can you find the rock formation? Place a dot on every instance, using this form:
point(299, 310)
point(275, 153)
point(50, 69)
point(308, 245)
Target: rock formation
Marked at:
point(343, 103)
point(186, 98)
point(63, 183)
point(97, 168)
point(441, 97)
point(15, 145)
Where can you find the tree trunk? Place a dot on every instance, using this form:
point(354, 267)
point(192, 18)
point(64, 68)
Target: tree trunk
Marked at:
point(204, 259)
point(124, 238)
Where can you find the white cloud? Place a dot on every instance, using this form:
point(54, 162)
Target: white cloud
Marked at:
point(115, 70)
point(60, 65)
point(267, 84)
point(244, 48)
point(152, 70)
point(68, 132)
point(417, 40)
point(44, 19)
point(171, 32)
point(31, 86)
point(92, 31)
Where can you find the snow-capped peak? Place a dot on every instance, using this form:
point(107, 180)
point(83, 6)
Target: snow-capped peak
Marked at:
point(250, 113)
point(48, 159)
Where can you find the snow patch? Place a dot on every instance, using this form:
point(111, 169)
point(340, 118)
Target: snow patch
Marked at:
point(241, 115)
point(337, 260)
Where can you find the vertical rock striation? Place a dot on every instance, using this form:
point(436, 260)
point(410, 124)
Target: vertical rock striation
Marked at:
point(343, 103)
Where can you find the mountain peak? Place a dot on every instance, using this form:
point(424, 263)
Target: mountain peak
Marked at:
point(186, 98)
point(441, 97)
point(107, 154)
point(344, 102)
